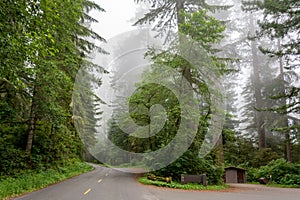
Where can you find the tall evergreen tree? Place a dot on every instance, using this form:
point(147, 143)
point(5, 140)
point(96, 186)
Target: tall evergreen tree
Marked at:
point(43, 44)
point(281, 23)
point(190, 18)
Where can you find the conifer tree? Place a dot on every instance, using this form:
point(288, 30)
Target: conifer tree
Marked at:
point(281, 23)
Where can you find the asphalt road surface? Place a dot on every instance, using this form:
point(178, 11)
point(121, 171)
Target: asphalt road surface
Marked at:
point(108, 184)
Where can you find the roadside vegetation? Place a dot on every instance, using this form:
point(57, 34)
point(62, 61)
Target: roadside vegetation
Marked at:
point(279, 173)
point(43, 44)
point(178, 185)
point(31, 180)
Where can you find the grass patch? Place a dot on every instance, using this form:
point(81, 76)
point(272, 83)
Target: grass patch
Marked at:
point(177, 185)
point(275, 185)
point(282, 186)
point(32, 180)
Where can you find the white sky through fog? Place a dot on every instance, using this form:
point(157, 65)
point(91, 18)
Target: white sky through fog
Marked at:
point(116, 18)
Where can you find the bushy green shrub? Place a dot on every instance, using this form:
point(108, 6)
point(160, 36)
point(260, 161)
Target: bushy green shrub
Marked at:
point(282, 172)
point(31, 180)
point(191, 164)
point(290, 179)
point(264, 156)
point(13, 160)
point(251, 175)
point(178, 185)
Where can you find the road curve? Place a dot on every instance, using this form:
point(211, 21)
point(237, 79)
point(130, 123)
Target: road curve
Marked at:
point(108, 184)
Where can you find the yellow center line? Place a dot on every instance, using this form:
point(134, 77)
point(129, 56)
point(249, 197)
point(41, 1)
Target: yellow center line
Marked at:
point(99, 180)
point(86, 192)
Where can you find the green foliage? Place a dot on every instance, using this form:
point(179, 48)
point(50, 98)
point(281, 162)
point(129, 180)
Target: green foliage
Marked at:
point(166, 13)
point(139, 106)
point(177, 185)
point(192, 20)
point(238, 150)
point(33, 180)
point(192, 164)
point(42, 45)
point(251, 175)
point(291, 179)
point(202, 27)
point(50, 150)
point(283, 172)
point(264, 156)
point(13, 160)
point(280, 22)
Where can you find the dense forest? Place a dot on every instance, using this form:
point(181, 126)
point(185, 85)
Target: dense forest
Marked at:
point(43, 45)
point(251, 48)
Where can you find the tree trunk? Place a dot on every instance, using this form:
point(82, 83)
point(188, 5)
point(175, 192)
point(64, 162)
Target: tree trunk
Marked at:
point(220, 152)
point(185, 70)
point(257, 90)
point(285, 117)
point(179, 8)
point(32, 122)
point(288, 146)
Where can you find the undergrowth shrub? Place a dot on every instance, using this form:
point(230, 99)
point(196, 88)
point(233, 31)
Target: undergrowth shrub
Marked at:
point(281, 171)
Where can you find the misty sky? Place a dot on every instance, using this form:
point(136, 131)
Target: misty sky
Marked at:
point(116, 18)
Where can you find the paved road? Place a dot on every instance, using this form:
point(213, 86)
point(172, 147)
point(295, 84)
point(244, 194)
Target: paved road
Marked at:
point(107, 184)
